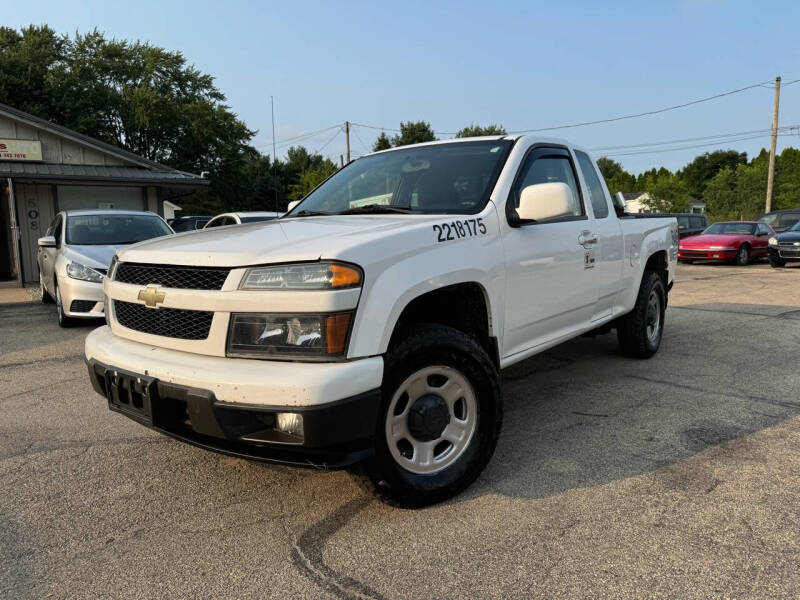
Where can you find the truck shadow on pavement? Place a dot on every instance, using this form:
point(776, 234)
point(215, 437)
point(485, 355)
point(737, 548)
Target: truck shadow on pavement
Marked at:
point(581, 415)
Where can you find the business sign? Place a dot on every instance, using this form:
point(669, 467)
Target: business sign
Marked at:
point(20, 150)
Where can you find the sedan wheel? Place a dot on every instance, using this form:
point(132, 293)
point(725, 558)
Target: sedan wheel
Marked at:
point(743, 255)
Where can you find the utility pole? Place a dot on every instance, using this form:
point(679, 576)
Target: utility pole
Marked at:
point(274, 183)
point(347, 137)
point(771, 175)
point(341, 161)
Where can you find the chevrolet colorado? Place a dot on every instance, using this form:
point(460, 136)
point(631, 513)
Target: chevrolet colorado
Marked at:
point(367, 328)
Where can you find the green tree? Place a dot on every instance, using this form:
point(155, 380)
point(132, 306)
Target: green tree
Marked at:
point(474, 130)
point(668, 192)
point(382, 143)
point(703, 168)
point(413, 133)
point(617, 178)
point(27, 60)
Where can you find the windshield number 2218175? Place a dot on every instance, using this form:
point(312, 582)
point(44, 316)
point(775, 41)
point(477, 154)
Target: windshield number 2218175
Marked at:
point(455, 230)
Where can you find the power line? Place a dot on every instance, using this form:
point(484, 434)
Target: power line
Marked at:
point(643, 114)
point(720, 137)
point(299, 137)
point(338, 131)
point(656, 151)
point(358, 137)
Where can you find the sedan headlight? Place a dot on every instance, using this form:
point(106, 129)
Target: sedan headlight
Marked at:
point(302, 276)
point(288, 336)
point(79, 271)
point(773, 241)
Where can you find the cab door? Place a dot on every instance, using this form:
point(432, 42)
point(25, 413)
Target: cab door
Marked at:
point(610, 247)
point(550, 288)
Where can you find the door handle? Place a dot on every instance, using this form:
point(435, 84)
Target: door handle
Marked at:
point(587, 238)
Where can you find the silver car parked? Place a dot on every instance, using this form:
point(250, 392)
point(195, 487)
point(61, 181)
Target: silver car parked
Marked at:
point(75, 253)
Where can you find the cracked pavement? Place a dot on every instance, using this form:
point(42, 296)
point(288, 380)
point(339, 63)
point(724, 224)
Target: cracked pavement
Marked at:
point(673, 477)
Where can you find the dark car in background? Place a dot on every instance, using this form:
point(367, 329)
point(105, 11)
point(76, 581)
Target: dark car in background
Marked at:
point(690, 223)
point(781, 220)
point(188, 223)
point(785, 247)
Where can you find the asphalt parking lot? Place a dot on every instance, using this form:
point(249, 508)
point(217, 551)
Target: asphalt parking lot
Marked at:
point(675, 477)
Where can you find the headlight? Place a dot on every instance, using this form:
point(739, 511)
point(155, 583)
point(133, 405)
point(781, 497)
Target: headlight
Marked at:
point(303, 276)
point(112, 266)
point(773, 241)
point(79, 271)
point(288, 336)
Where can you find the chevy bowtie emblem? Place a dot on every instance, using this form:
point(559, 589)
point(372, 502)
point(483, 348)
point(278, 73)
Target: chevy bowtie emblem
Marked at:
point(151, 296)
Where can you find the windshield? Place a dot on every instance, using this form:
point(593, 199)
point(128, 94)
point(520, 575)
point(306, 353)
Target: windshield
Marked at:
point(254, 219)
point(103, 230)
point(731, 229)
point(444, 178)
point(795, 227)
point(188, 224)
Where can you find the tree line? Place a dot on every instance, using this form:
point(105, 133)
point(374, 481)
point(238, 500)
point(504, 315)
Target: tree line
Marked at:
point(731, 186)
point(152, 102)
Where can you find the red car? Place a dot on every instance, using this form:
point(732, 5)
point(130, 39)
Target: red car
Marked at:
point(734, 241)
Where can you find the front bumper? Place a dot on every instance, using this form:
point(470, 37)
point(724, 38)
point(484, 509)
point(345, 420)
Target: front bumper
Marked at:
point(335, 435)
point(81, 299)
point(784, 253)
point(229, 404)
point(705, 254)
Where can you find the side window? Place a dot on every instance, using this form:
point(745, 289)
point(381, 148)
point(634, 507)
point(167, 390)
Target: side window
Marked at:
point(683, 223)
point(789, 219)
point(698, 222)
point(216, 222)
point(548, 165)
point(597, 195)
point(763, 229)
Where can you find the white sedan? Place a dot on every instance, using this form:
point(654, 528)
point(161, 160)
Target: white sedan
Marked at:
point(75, 253)
point(237, 218)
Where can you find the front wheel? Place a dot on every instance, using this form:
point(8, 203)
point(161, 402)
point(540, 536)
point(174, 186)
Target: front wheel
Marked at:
point(63, 320)
point(743, 255)
point(777, 263)
point(440, 418)
point(46, 297)
point(639, 332)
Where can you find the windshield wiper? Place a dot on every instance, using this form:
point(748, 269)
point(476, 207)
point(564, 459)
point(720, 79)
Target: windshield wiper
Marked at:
point(310, 213)
point(376, 209)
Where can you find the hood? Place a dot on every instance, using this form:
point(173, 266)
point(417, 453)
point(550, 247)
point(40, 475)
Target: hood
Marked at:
point(280, 240)
point(788, 236)
point(704, 241)
point(97, 257)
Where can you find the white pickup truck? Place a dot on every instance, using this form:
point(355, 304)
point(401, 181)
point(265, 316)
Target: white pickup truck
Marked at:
point(367, 328)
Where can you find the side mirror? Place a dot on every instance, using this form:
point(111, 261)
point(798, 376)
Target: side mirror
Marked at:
point(48, 241)
point(292, 204)
point(545, 201)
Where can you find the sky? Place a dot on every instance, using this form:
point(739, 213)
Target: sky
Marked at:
point(525, 64)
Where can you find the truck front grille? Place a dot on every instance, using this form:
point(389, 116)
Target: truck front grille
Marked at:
point(168, 322)
point(171, 276)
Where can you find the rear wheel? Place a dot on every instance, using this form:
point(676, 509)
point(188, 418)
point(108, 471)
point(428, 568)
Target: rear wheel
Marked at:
point(639, 332)
point(743, 255)
point(440, 418)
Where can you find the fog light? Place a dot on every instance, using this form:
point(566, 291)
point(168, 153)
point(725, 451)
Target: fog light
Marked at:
point(291, 423)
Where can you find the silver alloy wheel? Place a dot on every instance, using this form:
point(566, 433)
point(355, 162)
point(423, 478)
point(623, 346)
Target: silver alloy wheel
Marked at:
point(433, 384)
point(653, 316)
point(742, 256)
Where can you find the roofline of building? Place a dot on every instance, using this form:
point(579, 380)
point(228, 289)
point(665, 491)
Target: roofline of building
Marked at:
point(80, 138)
point(67, 179)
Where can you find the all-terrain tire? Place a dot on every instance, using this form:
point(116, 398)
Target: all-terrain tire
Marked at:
point(639, 332)
point(420, 348)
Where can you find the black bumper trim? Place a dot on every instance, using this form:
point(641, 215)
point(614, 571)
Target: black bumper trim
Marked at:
point(335, 435)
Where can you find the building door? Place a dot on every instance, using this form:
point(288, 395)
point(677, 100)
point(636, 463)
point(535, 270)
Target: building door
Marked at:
point(35, 211)
point(6, 248)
